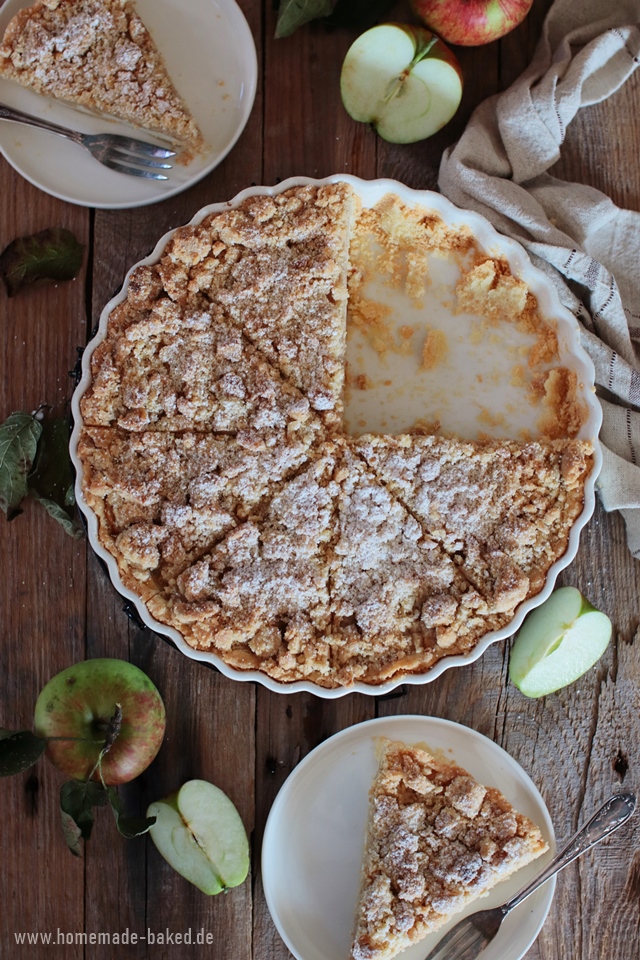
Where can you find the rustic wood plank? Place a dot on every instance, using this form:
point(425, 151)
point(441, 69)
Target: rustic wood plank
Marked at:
point(210, 720)
point(578, 744)
point(42, 590)
point(307, 130)
point(307, 133)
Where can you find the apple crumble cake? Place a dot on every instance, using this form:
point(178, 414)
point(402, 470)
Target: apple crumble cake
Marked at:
point(216, 463)
point(436, 840)
point(96, 54)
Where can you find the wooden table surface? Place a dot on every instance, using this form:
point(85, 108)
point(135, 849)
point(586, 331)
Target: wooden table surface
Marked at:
point(58, 605)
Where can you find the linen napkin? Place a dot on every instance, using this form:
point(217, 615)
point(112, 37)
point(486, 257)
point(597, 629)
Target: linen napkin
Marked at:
point(589, 247)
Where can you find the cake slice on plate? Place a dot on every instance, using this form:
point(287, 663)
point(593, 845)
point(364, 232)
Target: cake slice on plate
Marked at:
point(436, 840)
point(97, 54)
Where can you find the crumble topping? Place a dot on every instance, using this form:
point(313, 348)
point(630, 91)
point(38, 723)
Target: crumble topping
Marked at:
point(97, 54)
point(277, 266)
point(436, 840)
point(503, 509)
point(171, 366)
point(216, 464)
point(164, 499)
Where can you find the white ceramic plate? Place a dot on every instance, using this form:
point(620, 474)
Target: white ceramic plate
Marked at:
point(571, 353)
point(211, 57)
point(314, 838)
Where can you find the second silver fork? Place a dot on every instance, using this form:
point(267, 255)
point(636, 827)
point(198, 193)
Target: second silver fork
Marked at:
point(470, 936)
point(137, 158)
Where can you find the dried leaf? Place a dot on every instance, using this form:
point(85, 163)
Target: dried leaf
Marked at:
point(58, 513)
point(77, 800)
point(72, 833)
point(293, 13)
point(53, 254)
point(19, 750)
point(19, 436)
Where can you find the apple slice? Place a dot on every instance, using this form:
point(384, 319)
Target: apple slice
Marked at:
point(401, 79)
point(199, 832)
point(558, 642)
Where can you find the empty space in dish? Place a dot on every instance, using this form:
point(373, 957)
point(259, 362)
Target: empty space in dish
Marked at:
point(423, 363)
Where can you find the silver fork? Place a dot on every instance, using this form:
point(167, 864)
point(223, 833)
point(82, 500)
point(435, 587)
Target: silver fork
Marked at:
point(469, 937)
point(124, 154)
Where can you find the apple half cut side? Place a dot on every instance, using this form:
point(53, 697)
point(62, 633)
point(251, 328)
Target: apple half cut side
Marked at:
point(558, 642)
point(402, 80)
point(199, 833)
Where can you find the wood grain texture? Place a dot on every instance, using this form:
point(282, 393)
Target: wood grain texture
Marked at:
point(42, 602)
point(59, 606)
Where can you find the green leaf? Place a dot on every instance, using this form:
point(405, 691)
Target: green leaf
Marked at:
point(77, 800)
point(129, 827)
point(51, 481)
point(53, 254)
point(19, 750)
point(19, 436)
point(358, 14)
point(60, 514)
point(293, 13)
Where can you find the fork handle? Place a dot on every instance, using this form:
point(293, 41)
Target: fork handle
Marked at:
point(8, 113)
point(608, 818)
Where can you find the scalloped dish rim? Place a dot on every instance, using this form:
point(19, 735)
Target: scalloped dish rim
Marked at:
point(492, 243)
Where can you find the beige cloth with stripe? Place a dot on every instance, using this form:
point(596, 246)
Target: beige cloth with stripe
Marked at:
point(587, 245)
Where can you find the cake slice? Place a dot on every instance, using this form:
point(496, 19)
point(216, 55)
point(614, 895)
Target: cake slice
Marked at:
point(503, 509)
point(278, 267)
point(96, 54)
point(436, 840)
point(163, 500)
point(171, 367)
point(259, 599)
point(399, 602)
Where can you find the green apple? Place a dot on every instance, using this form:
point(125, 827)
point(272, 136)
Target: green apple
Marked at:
point(558, 642)
point(199, 832)
point(96, 707)
point(401, 79)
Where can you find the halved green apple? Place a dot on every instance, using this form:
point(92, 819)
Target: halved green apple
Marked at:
point(199, 832)
point(558, 642)
point(401, 79)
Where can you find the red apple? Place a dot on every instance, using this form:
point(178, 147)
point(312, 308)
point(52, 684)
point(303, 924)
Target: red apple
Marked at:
point(85, 707)
point(470, 23)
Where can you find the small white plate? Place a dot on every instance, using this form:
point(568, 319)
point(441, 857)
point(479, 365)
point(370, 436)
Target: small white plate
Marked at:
point(314, 838)
point(211, 58)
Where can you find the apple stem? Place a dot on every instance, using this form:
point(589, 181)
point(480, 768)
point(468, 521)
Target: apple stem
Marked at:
point(113, 729)
point(420, 54)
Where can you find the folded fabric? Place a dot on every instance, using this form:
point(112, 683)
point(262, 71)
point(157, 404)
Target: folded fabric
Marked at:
point(589, 247)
